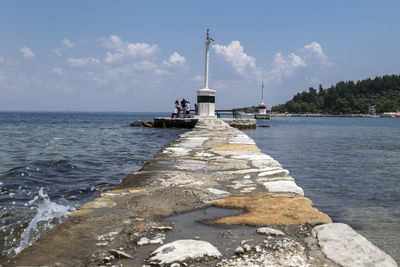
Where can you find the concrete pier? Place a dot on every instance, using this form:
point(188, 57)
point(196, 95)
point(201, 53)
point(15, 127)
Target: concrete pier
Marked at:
point(209, 198)
point(189, 123)
point(261, 116)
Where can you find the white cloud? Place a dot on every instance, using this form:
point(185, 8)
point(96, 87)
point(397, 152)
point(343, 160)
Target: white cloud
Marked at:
point(286, 65)
point(296, 61)
point(57, 71)
point(311, 56)
point(141, 49)
point(146, 65)
point(233, 53)
point(113, 42)
point(123, 49)
point(66, 43)
point(110, 57)
point(175, 59)
point(82, 62)
point(315, 49)
point(27, 52)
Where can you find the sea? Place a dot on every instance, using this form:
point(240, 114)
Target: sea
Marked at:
point(51, 163)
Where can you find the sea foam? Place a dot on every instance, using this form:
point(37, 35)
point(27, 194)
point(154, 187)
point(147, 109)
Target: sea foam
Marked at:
point(48, 214)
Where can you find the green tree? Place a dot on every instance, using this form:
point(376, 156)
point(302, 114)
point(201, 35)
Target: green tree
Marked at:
point(389, 106)
point(348, 97)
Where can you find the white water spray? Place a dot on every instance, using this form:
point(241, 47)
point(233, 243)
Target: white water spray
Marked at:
point(47, 212)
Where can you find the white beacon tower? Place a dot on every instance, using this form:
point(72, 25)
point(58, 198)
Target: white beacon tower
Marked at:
point(206, 96)
point(262, 109)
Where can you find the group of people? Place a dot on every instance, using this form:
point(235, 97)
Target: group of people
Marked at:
point(181, 107)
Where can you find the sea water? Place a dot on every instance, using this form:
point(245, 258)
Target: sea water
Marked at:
point(349, 168)
point(52, 163)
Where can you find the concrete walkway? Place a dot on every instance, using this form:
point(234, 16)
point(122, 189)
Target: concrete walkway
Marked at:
point(210, 198)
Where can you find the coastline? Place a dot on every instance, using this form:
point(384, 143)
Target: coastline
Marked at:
point(328, 115)
point(179, 180)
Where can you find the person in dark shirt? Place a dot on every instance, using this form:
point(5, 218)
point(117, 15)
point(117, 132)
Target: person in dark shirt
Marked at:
point(183, 105)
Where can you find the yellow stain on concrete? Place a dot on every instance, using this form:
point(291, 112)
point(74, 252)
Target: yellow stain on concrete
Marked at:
point(121, 192)
point(81, 212)
point(235, 147)
point(114, 193)
point(271, 209)
point(99, 203)
point(133, 191)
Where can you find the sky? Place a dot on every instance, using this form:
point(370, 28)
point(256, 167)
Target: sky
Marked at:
point(142, 55)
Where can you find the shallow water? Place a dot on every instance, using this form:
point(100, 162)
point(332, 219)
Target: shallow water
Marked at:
point(51, 163)
point(349, 167)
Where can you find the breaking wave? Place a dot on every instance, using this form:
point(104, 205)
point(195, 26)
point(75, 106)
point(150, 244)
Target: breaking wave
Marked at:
point(48, 215)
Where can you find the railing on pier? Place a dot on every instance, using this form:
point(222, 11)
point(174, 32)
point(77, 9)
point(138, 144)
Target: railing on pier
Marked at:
point(235, 113)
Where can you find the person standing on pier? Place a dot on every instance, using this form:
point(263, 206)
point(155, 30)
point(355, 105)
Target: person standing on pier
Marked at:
point(183, 105)
point(187, 109)
point(177, 110)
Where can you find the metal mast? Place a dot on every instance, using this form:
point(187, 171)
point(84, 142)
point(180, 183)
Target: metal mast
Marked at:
point(208, 41)
point(262, 93)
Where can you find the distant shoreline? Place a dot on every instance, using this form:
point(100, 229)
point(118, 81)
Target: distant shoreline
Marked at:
point(328, 115)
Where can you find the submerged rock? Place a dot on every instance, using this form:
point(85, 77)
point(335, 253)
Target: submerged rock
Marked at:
point(246, 247)
point(346, 247)
point(182, 250)
point(141, 123)
point(270, 231)
point(148, 124)
point(239, 250)
point(138, 123)
point(120, 254)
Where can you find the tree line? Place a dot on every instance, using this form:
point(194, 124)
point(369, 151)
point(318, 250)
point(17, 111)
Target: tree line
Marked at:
point(347, 97)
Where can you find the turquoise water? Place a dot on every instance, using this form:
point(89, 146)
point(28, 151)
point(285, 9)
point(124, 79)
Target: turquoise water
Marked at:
point(349, 167)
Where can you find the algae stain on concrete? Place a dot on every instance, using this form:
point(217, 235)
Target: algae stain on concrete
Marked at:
point(271, 209)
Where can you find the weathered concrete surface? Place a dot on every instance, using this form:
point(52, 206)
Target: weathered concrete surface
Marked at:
point(189, 123)
point(212, 164)
point(261, 116)
point(346, 247)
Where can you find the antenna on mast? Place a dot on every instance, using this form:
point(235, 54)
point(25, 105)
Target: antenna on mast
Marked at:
point(208, 41)
point(208, 35)
point(262, 93)
point(262, 109)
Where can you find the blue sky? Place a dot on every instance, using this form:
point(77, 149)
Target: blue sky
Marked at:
point(142, 55)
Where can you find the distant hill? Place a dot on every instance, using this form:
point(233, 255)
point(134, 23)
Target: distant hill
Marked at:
point(348, 97)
